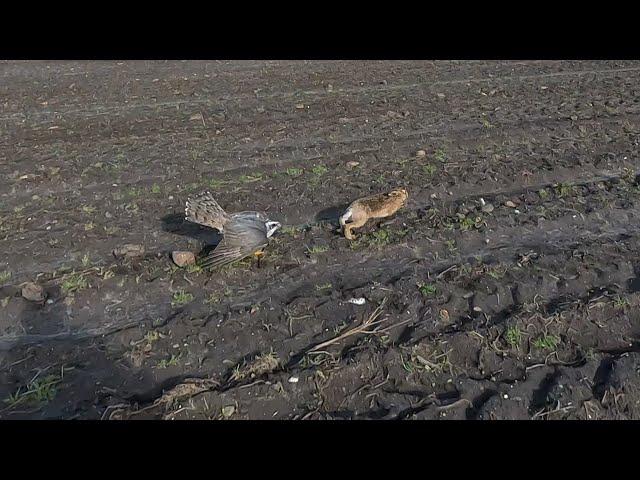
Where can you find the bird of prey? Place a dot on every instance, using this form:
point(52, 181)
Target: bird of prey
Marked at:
point(244, 233)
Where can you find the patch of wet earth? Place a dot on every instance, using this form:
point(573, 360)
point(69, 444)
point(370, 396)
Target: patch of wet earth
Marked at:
point(508, 287)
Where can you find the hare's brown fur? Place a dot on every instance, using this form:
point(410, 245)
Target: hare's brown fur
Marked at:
point(376, 206)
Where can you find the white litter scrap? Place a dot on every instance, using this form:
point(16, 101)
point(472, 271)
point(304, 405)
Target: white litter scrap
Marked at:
point(357, 301)
point(294, 379)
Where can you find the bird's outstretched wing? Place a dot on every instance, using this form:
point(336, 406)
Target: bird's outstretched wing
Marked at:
point(204, 210)
point(240, 241)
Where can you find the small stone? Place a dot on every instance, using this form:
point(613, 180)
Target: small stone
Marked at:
point(440, 95)
point(129, 250)
point(421, 153)
point(294, 379)
point(329, 88)
point(510, 204)
point(357, 301)
point(182, 259)
point(300, 106)
point(33, 292)
point(228, 411)
point(351, 165)
point(477, 309)
point(487, 208)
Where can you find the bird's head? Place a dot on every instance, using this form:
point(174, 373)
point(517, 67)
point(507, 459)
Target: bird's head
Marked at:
point(272, 226)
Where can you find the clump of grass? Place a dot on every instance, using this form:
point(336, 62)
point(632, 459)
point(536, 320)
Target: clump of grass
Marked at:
point(265, 363)
point(381, 237)
point(564, 190)
point(288, 230)
point(427, 289)
point(74, 282)
point(546, 342)
point(133, 192)
point(86, 261)
point(620, 302)
point(217, 183)
point(89, 226)
point(497, 272)
point(319, 170)
point(106, 273)
point(88, 209)
point(513, 336)
point(324, 286)
point(468, 223)
point(152, 336)
point(317, 249)
point(380, 179)
point(181, 298)
point(544, 194)
point(155, 188)
point(194, 268)
point(251, 178)
point(172, 362)
point(5, 276)
point(440, 155)
point(377, 239)
point(429, 169)
point(38, 390)
point(294, 172)
point(451, 245)
point(212, 298)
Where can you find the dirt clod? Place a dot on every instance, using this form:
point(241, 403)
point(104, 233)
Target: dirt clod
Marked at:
point(33, 292)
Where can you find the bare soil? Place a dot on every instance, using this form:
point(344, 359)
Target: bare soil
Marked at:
point(508, 288)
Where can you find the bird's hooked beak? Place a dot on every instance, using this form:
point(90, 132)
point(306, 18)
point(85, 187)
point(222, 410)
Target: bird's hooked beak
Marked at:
point(272, 227)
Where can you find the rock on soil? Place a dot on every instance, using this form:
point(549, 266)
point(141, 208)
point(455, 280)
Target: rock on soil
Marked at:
point(182, 259)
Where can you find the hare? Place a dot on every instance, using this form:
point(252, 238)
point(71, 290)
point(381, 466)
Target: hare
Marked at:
point(376, 206)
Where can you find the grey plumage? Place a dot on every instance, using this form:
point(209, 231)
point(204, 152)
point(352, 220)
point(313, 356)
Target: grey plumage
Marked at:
point(244, 233)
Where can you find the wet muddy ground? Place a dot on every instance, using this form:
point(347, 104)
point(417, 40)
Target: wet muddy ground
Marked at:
point(508, 288)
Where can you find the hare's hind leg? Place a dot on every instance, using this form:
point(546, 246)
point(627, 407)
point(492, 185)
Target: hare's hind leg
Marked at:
point(356, 222)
